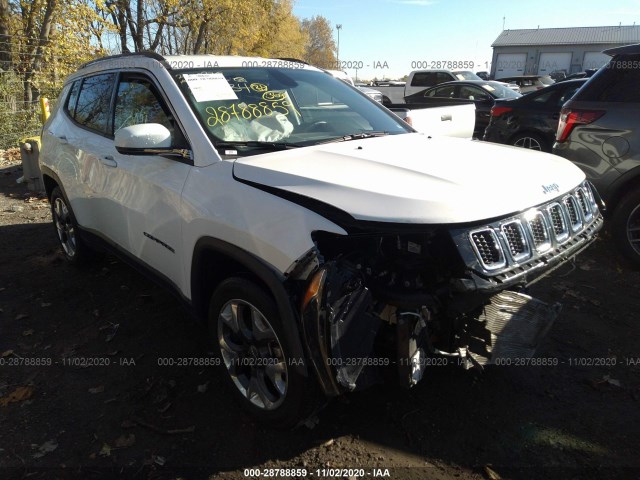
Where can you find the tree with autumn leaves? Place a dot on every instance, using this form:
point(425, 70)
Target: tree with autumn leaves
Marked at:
point(42, 41)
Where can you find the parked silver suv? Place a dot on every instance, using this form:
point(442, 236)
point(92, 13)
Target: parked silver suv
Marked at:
point(599, 131)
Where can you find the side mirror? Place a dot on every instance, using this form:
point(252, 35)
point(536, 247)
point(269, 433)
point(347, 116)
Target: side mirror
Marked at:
point(146, 139)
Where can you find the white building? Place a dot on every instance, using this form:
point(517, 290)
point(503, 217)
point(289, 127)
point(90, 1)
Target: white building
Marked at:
point(546, 50)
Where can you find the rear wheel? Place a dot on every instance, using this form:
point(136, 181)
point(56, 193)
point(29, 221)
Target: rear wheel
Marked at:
point(530, 141)
point(625, 226)
point(74, 249)
point(248, 335)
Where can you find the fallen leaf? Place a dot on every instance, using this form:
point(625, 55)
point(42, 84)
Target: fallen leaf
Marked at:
point(114, 330)
point(45, 304)
point(7, 353)
point(125, 441)
point(105, 451)
point(203, 388)
point(18, 395)
point(612, 381)
point(26, 333)
point(22, 316)
point(47, 447)
point(328, 443)
point(159, 460)
point(98, 389)
point(491, 474)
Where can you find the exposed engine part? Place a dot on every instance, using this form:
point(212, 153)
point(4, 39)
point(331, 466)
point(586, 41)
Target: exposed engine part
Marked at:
point(340, 327)
point(511, 326)
point(403, 286)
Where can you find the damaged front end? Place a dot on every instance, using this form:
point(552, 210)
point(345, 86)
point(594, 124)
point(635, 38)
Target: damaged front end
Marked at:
point(376, 303)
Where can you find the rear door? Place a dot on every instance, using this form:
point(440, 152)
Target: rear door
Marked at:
point(81, 134)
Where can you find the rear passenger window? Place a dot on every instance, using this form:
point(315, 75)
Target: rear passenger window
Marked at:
point(92, 107)
point(73, 98)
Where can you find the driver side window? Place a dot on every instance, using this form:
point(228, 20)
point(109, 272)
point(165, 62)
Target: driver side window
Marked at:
point(137, 102)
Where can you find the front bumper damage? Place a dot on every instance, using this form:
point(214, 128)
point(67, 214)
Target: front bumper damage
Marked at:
point(341, 320)
point(381, 301)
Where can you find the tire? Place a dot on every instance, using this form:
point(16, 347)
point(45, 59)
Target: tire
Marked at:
point(530, 141)
point(247, 334)
point(66, 227)
point(625, 227)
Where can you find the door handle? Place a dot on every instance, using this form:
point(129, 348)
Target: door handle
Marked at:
point(445, 118)
point(108, 161)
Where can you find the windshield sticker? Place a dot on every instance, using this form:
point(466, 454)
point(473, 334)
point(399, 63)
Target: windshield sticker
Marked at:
point(239, 84)
point(242, 111)
point(209, 87)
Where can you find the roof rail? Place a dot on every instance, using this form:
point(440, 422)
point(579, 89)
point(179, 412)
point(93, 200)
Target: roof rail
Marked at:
point(148, 54)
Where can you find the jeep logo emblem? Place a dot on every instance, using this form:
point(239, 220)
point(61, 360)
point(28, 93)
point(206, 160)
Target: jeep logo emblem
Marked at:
point(554, 187)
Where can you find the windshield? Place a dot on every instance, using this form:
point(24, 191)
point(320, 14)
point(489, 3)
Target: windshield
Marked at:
point(499, 90)
point(287, 107)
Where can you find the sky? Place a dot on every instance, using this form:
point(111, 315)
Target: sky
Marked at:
point(390, 38)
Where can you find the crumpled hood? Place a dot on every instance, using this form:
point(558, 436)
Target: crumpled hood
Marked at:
point(411, 178)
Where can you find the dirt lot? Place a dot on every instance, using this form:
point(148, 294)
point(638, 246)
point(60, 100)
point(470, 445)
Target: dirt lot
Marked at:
point(131, 418)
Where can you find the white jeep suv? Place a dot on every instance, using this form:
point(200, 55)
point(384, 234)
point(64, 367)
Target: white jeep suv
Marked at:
point(326, 243)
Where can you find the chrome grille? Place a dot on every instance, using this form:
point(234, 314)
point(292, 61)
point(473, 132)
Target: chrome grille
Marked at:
point(515, 237)
point(572, 207)
point(585, 206)
point(558, 222)
point(539, 231)
point(487, 247)
point(537, 234)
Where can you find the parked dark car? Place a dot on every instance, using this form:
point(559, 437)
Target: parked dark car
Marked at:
point(530, 121)
point(482, 93)
point(483, 75)
point(599, 131)
point(529, 83)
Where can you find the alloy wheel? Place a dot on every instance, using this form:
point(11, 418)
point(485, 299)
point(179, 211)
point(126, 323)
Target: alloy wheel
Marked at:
point(253, 354)
point(64, 227)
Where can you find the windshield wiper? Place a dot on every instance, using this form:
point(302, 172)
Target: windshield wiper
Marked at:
point(352, 136)
point(256, 144)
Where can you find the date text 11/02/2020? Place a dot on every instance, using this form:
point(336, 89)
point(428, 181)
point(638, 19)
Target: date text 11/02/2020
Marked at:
point(85, 362)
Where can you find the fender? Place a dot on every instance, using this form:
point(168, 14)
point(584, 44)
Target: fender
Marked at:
point(272, 279)
point(620, 185)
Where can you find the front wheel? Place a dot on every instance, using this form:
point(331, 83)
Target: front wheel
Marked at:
point(625, 226)
point(64, 221)
point(248, 335)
